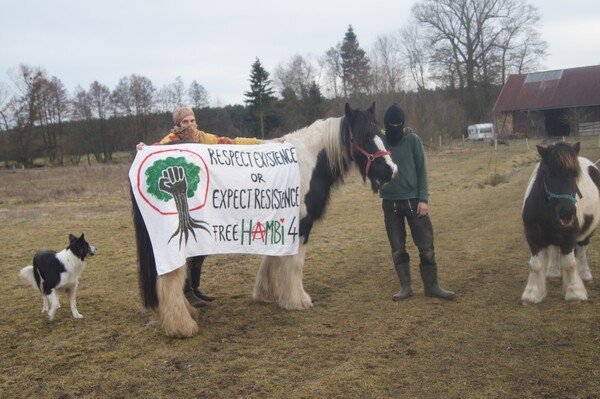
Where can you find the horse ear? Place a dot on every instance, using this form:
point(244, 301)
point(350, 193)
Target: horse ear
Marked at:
point(347, 110)
point(577, 147)
point(372, 108)
point(543, 151)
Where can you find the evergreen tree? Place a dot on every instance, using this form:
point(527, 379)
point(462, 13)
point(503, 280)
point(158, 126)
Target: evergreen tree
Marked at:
point(260, 95)
point(356, 70)
point(314, 103)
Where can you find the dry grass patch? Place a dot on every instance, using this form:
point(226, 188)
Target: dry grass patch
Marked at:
point(354, 343)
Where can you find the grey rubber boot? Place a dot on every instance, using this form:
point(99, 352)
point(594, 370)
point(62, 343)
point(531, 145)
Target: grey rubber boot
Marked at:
point(430, 283)
point(403, 272)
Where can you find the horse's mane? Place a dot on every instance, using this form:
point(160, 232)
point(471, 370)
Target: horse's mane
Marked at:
point(564, 158)
point(328, 131)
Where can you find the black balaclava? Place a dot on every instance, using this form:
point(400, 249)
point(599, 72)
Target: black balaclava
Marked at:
point(393, 121)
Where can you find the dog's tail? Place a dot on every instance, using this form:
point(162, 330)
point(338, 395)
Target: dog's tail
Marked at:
point(27, 274)
point(147, 264)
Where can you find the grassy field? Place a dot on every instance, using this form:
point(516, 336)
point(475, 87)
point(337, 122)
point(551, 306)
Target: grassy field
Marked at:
point(355, 343)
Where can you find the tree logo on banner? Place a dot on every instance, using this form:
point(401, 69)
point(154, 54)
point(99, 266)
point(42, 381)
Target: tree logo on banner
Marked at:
point(177, 179)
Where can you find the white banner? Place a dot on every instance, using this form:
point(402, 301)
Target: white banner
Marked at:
point(201, 199)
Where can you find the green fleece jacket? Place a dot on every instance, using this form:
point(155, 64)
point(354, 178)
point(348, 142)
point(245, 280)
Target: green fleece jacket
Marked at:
point(411, 180)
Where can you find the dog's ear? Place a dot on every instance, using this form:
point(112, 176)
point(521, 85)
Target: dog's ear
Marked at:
point(72, 238)
point(81, 238)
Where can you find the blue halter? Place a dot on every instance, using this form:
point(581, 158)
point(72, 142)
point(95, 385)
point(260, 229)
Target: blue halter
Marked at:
point(569, 197)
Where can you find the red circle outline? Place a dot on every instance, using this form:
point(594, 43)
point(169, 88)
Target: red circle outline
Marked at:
point(171, 150)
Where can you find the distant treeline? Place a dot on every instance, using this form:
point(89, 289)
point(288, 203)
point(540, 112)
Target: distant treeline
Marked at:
point(431, 113)
point(445, 68)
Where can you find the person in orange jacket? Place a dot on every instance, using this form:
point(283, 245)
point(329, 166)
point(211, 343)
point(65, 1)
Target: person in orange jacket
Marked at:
point(185, 129)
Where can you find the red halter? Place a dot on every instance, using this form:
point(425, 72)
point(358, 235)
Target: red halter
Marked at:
point(370, 157)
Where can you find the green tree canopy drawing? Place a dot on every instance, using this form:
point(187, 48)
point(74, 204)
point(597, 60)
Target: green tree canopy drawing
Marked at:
point(177, 179)
point(155, 172)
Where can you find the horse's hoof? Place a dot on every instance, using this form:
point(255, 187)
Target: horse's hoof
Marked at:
point(187, 331)
point(263, 298)
point(194, 313)
point(575, 299)
point(302, 305)
point(527, 302)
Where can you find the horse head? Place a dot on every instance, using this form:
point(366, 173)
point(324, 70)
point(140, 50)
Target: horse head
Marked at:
point(558, 173)
point(362, 136)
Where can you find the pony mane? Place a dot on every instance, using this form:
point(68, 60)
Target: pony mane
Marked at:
point(328, 131)
point(562, 157)
point(334, 145)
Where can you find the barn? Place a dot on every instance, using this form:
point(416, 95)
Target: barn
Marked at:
point(563, 102)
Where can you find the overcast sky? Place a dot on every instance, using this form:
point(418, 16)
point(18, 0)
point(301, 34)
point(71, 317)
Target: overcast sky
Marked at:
point(80, 41)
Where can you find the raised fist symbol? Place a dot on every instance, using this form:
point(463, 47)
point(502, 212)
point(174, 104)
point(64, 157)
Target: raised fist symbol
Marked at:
point(173, 180)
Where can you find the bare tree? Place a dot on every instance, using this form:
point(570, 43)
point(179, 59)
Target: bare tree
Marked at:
point(81, 105)
point(331, 63)
point(464, 37)
point(171, 96)
point(164, 99)
point(301, 101)
point(520, 47)
point(178, 89)
point(142, 92)
point(122, 99)
point(25, 109)
point(100, 102)
point(388, 71)
point(198, 95)
point(53, 103)
point(134, 96)
point(5, 101)
point(84, 141)
point(297, 74)
point(414, 53)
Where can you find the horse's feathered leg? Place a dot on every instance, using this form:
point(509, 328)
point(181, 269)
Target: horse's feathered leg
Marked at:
point(575, 290)
point(176, 315)
point(535, 291)
point(553, 262)
point(265, 288)
point(291, 290)
point(582, 262)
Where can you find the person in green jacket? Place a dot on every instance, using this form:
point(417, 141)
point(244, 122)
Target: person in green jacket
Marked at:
point(405, 199)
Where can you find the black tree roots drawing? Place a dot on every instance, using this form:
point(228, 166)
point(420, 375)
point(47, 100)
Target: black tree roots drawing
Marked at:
point(173, 181)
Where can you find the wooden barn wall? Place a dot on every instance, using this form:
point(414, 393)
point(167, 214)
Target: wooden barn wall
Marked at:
point(520, 124)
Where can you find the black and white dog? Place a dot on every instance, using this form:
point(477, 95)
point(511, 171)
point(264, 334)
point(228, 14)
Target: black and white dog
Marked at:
point(52, 271)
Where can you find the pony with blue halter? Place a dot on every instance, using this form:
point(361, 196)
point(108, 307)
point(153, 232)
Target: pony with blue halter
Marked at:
point(561, 211)
point(325, 150)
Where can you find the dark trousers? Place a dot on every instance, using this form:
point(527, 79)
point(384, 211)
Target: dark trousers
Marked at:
point(396, 215)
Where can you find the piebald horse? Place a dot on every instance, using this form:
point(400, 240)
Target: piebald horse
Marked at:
point(325, 151)
point(561, 211)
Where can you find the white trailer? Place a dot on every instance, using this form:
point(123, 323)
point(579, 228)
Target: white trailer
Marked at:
point(481, 131)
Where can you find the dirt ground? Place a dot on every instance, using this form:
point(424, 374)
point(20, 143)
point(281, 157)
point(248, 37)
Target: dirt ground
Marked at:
point(355, 343)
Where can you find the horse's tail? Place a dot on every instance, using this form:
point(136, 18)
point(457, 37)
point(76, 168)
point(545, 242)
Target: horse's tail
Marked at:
point(146, 262)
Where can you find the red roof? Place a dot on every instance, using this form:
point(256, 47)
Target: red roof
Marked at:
point(562, 88)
